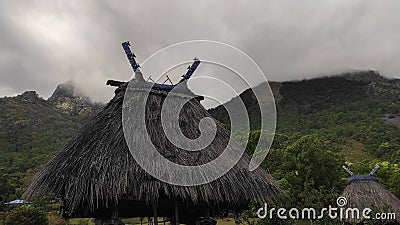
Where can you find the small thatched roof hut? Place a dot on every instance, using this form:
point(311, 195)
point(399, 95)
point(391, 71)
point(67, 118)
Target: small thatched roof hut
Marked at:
point(96, 175)
point(364, 191)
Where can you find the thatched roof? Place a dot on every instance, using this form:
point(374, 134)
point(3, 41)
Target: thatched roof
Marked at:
point(95, 169)
point(364, 191)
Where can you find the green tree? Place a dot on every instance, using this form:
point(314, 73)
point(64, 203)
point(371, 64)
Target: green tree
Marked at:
point(309, 171)
point(26, 215)
point(6, 188)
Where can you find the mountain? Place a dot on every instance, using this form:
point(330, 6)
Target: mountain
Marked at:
point(70, 100)
point(32, 131)
point(314, 95)
point(356, 111)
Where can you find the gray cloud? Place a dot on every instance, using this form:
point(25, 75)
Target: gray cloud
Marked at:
point(44, 43)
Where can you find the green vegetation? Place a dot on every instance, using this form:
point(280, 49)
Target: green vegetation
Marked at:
point(26, 215)
point(348, 116)
point(322, 124)
point(32, 131)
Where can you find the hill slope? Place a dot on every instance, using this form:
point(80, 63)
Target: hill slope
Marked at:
point(32, 130)
point(356, 111)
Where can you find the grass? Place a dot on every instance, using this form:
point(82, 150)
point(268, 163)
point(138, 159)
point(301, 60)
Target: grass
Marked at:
point(54, 219)
point(355, 151)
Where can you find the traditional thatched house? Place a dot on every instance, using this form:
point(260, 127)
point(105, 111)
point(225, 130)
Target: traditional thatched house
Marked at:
point(96, 176)
point(364, 191)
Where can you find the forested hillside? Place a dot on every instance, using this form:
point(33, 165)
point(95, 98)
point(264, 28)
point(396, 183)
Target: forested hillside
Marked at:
point(322, 124)
point(32, 131)
point(350, 109)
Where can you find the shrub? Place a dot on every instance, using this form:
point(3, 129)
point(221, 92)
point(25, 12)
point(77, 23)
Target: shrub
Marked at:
point(26, 215)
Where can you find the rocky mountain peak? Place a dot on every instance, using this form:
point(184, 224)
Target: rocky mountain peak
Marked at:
point(67, 90)
point(366, 76)
point(375, 83)
point(70, 100)
point(30, 95)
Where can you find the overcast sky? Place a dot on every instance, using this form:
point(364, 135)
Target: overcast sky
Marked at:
point(44, 43)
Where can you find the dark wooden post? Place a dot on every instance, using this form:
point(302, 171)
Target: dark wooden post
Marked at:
point(114, 214)
point(176, 212)
point(155, 214)
point(236, 216)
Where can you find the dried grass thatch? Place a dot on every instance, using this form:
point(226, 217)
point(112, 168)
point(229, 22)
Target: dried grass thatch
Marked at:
point(365, 192)
point(95, 170)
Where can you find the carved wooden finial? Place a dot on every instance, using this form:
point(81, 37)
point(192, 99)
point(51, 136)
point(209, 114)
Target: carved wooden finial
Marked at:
point(348, 170)
point(376, 167)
